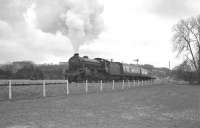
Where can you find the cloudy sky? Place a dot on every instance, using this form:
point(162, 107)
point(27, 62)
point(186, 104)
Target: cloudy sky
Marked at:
point(46, 31)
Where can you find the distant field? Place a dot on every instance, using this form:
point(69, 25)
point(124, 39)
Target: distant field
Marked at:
point(155, 106)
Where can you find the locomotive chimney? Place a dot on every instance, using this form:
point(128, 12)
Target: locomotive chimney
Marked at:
point(76, 54)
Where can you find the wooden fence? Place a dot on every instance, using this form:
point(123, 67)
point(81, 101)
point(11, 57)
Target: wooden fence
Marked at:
point(100, 86)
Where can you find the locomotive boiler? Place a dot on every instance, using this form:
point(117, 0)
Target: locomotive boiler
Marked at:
point(84, 68)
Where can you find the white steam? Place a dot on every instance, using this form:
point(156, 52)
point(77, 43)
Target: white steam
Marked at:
point(79, 20)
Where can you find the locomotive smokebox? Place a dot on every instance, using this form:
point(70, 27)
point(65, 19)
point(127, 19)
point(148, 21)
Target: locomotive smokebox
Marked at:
point(86, 57)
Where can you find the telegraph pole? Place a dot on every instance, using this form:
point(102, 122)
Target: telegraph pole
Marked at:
point(137, 60)
point(169, 69)
point(198, 61)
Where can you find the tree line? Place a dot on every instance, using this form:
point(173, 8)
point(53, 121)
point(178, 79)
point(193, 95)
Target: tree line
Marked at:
point(29, 70)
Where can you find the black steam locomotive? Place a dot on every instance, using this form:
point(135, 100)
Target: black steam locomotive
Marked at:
point(83, 68)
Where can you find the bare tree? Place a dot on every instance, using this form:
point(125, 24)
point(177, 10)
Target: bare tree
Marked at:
point(186, 40)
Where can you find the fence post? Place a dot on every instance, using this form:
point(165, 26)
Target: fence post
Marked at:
point(10, 89)
point(44, 88)
point(138, 82)
point(113, 87)
point(86, 87)
point(97, 86)
point(67, 87)
point(123, 84)
point(101, 87)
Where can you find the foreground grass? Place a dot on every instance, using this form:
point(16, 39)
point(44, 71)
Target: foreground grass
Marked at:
point(160, 106)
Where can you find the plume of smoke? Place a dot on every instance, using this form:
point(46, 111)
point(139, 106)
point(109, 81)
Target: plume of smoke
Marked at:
point(79, 20)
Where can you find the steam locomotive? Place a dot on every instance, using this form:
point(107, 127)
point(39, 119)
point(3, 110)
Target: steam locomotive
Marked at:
point(84, 68)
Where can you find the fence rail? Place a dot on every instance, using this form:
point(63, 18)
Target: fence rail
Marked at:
point(68, 88)
point(30, 82)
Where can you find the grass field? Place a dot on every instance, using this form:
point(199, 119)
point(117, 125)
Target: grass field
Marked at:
point(155, 106)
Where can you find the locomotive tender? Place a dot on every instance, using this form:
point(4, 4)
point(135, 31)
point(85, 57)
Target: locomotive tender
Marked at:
point(83, 68)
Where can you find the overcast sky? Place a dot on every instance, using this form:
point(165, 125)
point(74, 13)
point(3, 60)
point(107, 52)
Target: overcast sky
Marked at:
point(123, 30)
